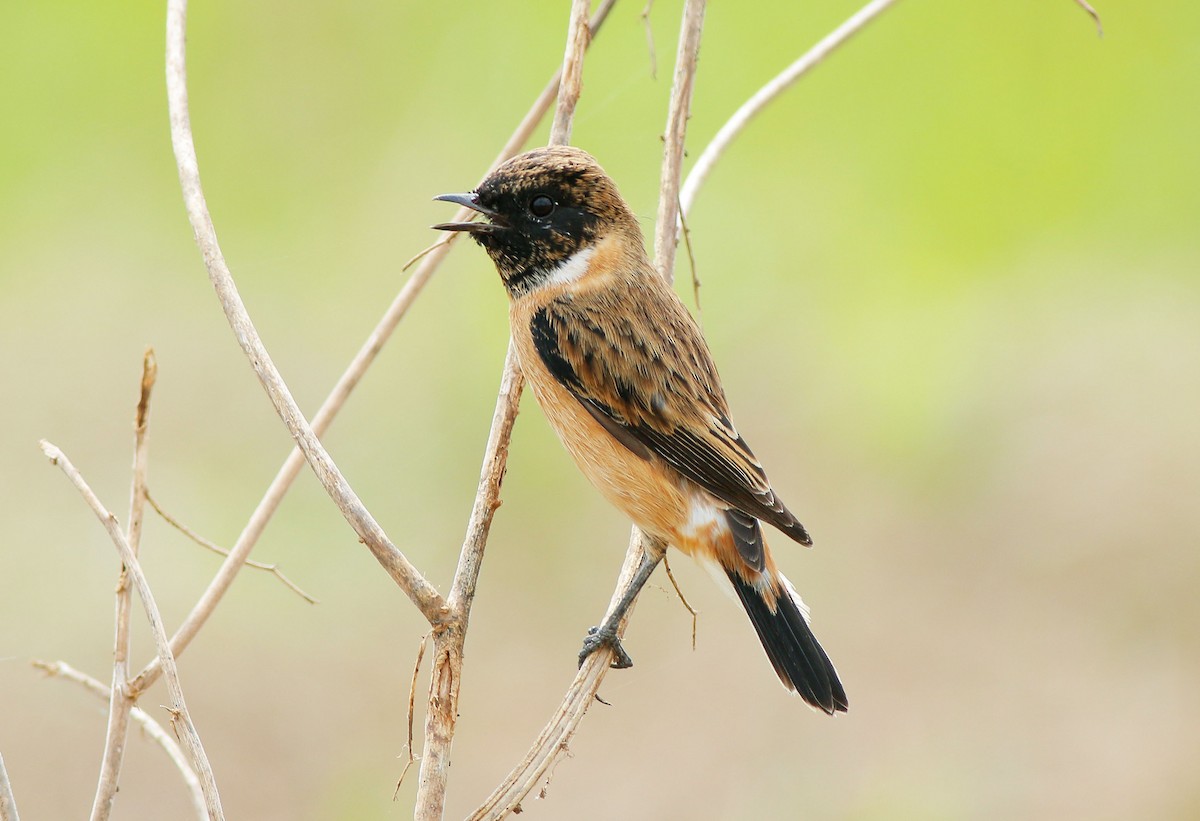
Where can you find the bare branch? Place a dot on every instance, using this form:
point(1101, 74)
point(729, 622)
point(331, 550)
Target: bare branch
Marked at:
point(666, 234)
point(120, 699)
point(180, 719)
point(8, 804)
point(60, 669)
point(341, 392)
point(417, 587)
point(273, 569)
point(765, 95)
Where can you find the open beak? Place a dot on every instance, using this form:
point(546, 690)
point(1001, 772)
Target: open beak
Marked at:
point(470, 201)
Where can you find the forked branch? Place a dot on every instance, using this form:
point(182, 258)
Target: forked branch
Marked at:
point(181, 720)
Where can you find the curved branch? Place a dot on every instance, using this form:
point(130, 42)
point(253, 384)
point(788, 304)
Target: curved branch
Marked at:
point(419, 590)
point(765, 95)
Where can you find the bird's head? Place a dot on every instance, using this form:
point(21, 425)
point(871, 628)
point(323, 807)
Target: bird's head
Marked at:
point(540, 209)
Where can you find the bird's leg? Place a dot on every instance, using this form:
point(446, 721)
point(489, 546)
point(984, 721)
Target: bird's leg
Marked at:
point(606, 634)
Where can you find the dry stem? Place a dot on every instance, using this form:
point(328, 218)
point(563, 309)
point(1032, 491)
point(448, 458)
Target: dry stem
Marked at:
point(180, 719)
point(765, 95)
point(121, 699)
point(60, 669)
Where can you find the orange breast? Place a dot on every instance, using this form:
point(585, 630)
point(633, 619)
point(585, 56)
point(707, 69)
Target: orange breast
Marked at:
point(644, 490)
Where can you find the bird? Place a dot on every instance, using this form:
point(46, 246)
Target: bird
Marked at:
point(625, 378)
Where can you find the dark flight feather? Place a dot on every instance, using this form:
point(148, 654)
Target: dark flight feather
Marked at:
point(799, 661)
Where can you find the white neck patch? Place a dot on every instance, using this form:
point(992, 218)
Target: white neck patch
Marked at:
point(571, 268)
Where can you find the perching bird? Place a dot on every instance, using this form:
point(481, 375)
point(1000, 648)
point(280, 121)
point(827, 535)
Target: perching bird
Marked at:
point(625, 378)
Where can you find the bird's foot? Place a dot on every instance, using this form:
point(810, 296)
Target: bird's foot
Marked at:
point(605, 636)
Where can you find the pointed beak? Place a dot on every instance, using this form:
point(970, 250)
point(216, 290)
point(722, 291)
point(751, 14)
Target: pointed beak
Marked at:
point(470, 201)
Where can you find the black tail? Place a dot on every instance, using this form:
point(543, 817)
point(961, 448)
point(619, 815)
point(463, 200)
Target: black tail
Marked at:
point(799, 661)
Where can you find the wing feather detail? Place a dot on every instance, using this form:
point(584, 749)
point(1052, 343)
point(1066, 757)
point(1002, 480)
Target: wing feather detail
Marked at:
point(643, 371)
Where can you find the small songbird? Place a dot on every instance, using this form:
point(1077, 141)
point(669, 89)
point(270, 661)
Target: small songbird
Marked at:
point(625, 378)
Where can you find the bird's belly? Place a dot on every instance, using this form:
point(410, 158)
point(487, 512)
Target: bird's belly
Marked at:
point(645, 492)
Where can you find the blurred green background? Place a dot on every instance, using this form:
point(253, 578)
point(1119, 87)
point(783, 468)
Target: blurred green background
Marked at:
point(952, 280)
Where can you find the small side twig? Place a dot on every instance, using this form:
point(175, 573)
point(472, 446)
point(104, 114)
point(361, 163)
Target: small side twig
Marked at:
point(60, 669)
point(765, 95)
point(687, 244)
point(683, 599)
point(273, 569)
point(181, 720)
point(412, 710)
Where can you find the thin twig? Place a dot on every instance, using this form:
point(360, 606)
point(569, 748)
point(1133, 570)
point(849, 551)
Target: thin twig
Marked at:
point(181, 720)
point(8, 804)
point(683, 599)
point(1094, 15)
point(422, 594)
point(273, 569)
point(333, 403)
point(687, 244)
point(426, 251)
point(650, 39)
point(60, 669)
point(763, 97)
point(121, 700)
point(412, 710)
point(666, 232)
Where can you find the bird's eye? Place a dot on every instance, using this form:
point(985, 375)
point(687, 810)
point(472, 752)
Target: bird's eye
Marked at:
point(541, 206)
